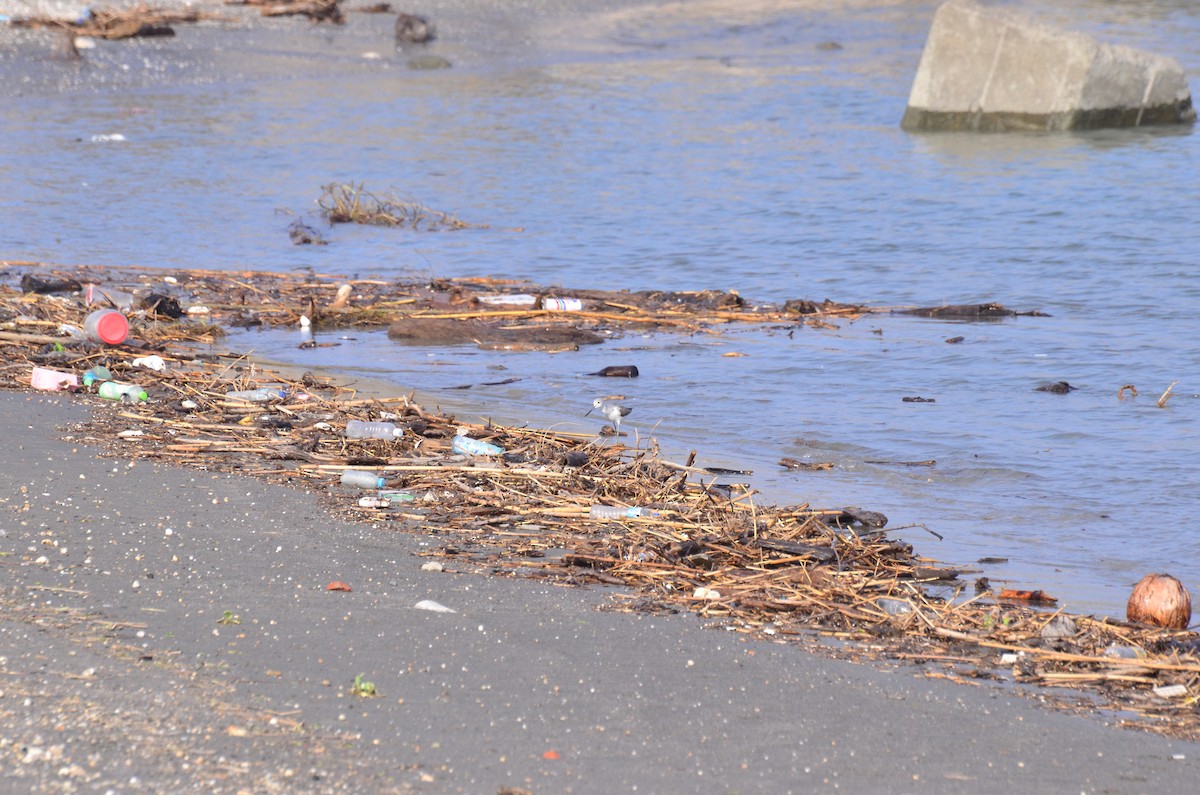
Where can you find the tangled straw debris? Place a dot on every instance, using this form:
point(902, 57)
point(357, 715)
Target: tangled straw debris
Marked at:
point(574, 509)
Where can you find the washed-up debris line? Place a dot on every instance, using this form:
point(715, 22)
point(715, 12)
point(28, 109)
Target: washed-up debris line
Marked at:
point(248, 298)
point(574, 508)
point(119, 23)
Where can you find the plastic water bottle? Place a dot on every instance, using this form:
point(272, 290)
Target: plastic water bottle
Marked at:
point(465, 445)
point(357, 429)
point(260, 395)
point(362, 480)
point(616, 512)
point(111, 390)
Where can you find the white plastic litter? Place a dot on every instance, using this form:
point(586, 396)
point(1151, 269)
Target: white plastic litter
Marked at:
point(433, 607)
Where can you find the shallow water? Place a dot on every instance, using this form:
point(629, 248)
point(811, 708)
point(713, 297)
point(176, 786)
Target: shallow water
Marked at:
point(691, 146)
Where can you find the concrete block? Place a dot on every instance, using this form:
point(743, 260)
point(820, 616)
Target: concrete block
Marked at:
point(989, 69)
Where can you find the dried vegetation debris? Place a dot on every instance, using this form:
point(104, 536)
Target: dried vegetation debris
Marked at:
point(119, 23)
point(347, 203)
point(572, 508)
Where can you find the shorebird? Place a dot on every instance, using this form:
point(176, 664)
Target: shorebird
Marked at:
point(414, 29)
point(612, 411)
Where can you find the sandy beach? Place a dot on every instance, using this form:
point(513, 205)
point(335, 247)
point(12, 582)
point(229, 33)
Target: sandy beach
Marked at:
point(169, 630)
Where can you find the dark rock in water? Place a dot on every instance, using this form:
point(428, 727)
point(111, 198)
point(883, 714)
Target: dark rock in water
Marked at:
point(803, 306)
point(990, 69)
point(967, 312)
point(703, 299)
point(617, 371)
point(574, 458)
point(414, 29)
point(829, 46)
point(245, 320)
point(304, 235)
point(917, 399)
point(1057, 388)
point(31, 283)
point(423, 62)
point(446, 331)
point(872, 519)
point(160, 304)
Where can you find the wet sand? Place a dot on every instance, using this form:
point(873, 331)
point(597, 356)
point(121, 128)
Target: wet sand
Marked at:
point(169, 630)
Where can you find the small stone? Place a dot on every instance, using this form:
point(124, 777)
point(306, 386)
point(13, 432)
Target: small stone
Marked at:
point(433, 565)
point(425, 62)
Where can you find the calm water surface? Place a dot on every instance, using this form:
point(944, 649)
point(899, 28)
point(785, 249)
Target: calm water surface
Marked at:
point(691, 146)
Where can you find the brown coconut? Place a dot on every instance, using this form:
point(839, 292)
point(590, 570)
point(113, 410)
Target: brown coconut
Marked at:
point(1161, 600)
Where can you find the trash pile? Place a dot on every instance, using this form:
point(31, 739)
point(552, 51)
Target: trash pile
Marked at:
point(571, 508)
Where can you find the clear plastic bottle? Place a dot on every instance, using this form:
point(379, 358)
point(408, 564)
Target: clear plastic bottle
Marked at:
point(260, 395)
point(465, 445)
point(615, 512)
point(111, 390)
point(358, 429)
point(106, 325)
point(362, 480)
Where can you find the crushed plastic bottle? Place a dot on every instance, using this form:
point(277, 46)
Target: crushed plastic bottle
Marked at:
point(95, 293)
point(362, 479)
point(97, 373)
point(126, 393)
point(358, 429)
point(260, 395)
point(894, 607)
point(465, 445)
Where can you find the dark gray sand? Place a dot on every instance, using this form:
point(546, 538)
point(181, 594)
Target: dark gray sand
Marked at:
point(117, 673)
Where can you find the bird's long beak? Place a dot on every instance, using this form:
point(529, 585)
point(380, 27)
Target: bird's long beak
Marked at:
point(589, 411)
